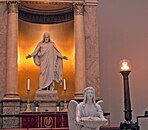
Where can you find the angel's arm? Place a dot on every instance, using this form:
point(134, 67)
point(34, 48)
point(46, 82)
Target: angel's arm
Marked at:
point(99, 111)
point(79, 119)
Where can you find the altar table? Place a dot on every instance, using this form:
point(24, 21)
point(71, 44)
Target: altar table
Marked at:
point(44, 120)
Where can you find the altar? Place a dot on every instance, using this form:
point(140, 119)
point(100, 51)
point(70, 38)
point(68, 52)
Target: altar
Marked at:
point(69, 23)
point(43, 120)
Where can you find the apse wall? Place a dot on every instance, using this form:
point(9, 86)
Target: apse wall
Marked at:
point(123, 33)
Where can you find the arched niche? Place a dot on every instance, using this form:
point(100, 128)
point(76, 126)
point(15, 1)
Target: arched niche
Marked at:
point(35, 18)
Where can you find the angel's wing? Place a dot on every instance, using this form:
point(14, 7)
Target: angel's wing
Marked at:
point(72, 115)
point(100, 102)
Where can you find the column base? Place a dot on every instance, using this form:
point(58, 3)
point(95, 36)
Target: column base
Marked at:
point(11, 96)
point(10, 107)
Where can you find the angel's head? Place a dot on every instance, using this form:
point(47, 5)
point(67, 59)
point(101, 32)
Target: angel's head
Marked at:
point(89, 94)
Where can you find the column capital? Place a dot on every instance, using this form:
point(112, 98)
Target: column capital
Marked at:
point(79, 8)
point(12, 6)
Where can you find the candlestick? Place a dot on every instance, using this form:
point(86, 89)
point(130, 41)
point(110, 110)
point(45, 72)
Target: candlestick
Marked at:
point(28, 87)
point(65, 102)
point(64, 84)
point(28, 109)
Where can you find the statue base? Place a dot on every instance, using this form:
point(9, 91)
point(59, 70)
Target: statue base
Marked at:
point(46, 95)
point(47, 100)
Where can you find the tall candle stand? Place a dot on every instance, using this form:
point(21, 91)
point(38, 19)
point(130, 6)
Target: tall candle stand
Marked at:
point(28, 109)
point(65, 103)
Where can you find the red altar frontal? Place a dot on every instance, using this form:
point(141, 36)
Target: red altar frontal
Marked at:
point(109, 128)
point(44, 120)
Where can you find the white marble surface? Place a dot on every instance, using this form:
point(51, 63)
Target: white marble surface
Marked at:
point(92, 49)
point(3, 39)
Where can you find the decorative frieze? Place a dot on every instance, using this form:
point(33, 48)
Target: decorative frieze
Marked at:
point(46, 19)
point(46, 12)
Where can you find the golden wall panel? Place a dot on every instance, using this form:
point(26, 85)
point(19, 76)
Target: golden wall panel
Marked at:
point(29, 36)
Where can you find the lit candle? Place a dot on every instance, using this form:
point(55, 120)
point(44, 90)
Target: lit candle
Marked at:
point(28, 87)
point(64, 84)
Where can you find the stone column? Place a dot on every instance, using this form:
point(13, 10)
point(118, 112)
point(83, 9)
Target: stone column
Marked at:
point(92, 46)
point(12, 40)
point(11, 100)
point(80, 82)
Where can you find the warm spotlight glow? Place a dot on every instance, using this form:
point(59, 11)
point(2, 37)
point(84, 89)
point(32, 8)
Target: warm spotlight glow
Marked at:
point(63, 36)
point(125, 65)
point(18, 59)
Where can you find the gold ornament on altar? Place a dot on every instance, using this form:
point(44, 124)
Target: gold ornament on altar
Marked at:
point(48, 122)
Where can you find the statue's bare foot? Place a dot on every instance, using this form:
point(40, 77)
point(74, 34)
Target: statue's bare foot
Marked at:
point(43, 89)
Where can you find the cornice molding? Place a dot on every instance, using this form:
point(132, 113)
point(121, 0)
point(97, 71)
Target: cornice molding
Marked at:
point(87, 2)
point(50, 11)
point(46, 8)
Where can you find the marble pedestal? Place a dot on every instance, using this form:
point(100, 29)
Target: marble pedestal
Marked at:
point(10, 107)
point(46, 95)
point(47, 100)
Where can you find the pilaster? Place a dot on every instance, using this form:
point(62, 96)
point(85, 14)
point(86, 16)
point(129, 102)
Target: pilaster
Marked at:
point(92, 46)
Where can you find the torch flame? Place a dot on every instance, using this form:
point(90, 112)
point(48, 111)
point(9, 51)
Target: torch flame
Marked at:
point(125, 66)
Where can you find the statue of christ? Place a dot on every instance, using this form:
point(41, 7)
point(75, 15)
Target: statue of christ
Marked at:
point(49, 59)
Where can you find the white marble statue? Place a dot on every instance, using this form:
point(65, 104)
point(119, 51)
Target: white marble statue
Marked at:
point(86, 115)
point(49, 59)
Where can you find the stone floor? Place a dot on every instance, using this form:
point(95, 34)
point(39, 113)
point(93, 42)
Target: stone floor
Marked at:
point(109, 128)
point(37, 129)
point(101, 128)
